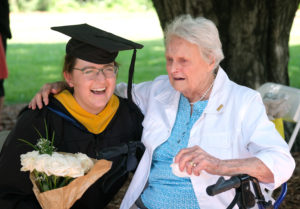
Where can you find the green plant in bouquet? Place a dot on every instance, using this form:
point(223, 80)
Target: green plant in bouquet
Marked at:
point(51, 169)
point(46, 183)
point(43, 145)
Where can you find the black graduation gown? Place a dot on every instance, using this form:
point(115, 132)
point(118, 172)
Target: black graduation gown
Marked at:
point(15, 186)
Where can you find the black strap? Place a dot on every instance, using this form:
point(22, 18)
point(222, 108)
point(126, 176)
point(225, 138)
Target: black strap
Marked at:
point(128, 162)
point(129, 149)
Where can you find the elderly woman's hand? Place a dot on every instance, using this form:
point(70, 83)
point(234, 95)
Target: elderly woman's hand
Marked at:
point(43, 95)
point(194, 160)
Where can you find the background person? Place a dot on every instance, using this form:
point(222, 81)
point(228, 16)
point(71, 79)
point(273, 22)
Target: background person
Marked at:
point(4, 35)
point(86, 118)
point(197, 117)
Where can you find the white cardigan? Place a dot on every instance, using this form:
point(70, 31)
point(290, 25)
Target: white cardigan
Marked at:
point(233, 125)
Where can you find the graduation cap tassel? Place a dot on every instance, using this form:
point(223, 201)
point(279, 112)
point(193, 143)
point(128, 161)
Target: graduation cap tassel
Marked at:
point(139, 115)
point(130, 76)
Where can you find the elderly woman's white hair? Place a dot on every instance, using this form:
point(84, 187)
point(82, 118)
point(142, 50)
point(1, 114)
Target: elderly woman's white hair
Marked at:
point(200, 31)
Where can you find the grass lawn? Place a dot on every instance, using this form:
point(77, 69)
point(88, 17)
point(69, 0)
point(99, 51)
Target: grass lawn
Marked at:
point(35, 57)
point(294, 66)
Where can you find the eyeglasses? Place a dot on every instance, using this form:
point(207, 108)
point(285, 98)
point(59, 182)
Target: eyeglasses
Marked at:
point(91, 73)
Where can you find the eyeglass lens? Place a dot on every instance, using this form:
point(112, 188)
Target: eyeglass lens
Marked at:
point(92, 73)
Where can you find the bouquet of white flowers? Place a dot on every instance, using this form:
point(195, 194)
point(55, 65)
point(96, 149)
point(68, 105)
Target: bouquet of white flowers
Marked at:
point(59, 179)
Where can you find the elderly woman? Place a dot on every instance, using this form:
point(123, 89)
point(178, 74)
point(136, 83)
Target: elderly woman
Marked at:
point(203, 122)
point(86, 118)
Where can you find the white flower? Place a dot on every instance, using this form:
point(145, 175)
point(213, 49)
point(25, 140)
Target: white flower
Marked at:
point(44, 163)
point(58, 164)
point(75, 169)
point(28, 160)
point(41, 161)
point(86, 162)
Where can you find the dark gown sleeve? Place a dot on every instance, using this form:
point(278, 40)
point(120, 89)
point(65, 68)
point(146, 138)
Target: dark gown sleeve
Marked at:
point(15, 185)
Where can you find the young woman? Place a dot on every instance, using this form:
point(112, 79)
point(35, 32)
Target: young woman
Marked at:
point(86, 118)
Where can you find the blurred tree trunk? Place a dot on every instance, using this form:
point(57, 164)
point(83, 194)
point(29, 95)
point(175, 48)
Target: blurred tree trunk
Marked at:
point(254, 34)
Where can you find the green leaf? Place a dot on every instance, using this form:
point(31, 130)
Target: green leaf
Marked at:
point(37, 179)
point(66, 181)
point(62, 183)
point(45, 187)
point(54, 180)
point(46, 129)
point(30, 144)
point(40, 135)
point(52, 140)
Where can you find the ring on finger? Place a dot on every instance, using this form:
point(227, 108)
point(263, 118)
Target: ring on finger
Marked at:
point(193, 164)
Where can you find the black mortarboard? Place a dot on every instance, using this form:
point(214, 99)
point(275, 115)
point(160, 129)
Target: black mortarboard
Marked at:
point(97, 46)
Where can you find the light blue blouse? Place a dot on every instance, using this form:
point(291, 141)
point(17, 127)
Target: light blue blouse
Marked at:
point(165, 190)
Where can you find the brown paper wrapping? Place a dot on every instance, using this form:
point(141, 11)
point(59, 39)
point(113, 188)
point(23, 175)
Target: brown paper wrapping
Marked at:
point(65, 197)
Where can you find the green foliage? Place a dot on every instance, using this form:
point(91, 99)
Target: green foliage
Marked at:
point(46, 183)
point(30, 5)
point(131, 5)
point(83, 5)
point(43, 145)
point(65, 5)
point(25, 5)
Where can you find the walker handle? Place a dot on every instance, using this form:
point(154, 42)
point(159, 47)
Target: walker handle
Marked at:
point(223, 185)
